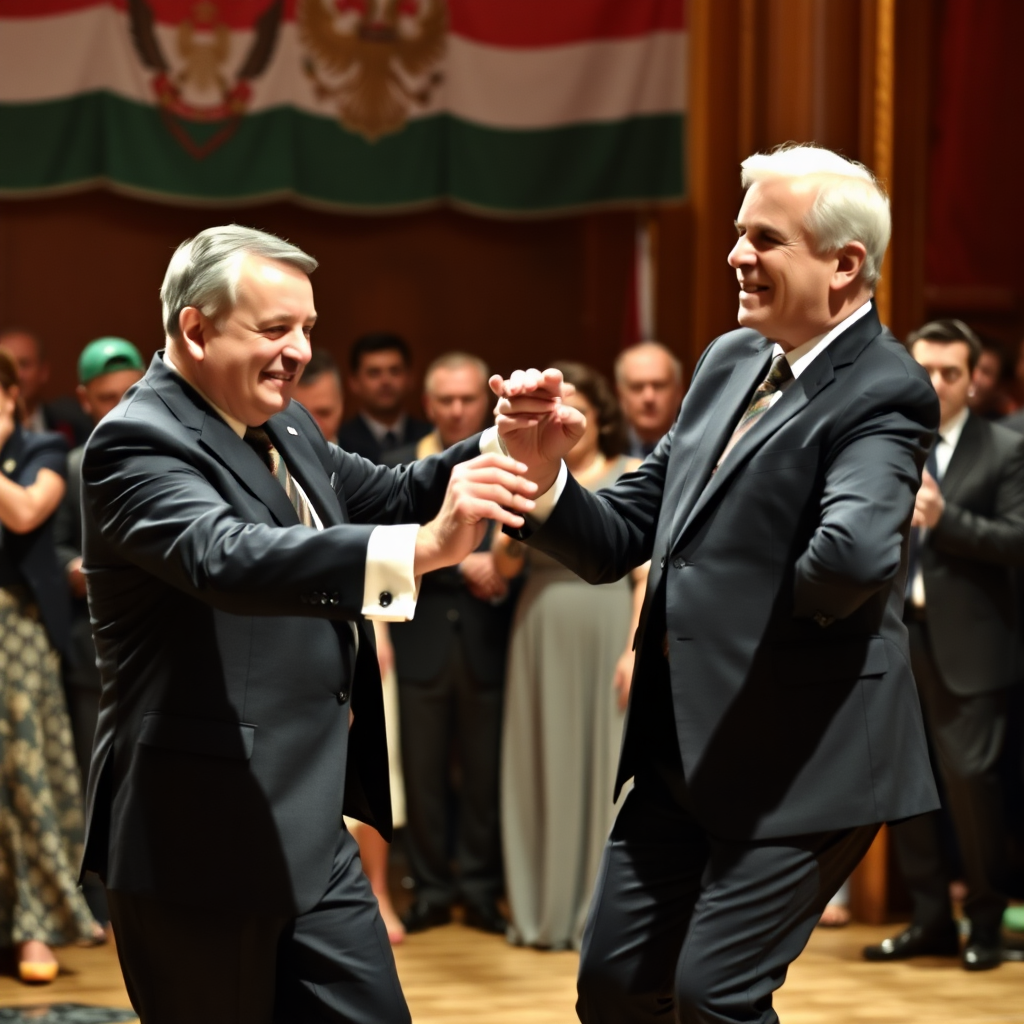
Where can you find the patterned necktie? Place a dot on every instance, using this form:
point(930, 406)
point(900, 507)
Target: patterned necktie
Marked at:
point(259, 441)
point(780, 376)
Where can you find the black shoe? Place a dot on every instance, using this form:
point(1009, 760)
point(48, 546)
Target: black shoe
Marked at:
point(421, 916)
point(486, 917)
point(984, 951)
point(916, 941)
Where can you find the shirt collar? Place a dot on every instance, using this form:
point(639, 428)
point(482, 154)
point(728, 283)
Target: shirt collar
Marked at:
point(236, 425)
point(800, 358)
point(379, 430)
point(950, 433)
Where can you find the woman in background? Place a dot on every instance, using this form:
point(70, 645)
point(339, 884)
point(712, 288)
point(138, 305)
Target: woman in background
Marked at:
point(41, 817)
point(569, 669)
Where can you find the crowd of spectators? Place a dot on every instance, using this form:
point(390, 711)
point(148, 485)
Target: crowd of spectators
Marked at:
point(505, 696)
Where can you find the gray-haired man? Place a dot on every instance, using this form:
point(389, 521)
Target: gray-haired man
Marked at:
point(231, 557)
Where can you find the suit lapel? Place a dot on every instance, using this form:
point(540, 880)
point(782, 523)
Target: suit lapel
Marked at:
point(965, 456)
point(304, 465)
point(720, 422)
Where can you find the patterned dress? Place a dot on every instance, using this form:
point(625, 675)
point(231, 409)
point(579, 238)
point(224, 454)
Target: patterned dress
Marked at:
point(41, 816)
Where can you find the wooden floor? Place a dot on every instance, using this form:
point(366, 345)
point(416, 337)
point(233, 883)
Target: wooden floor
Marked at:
point(453, 975)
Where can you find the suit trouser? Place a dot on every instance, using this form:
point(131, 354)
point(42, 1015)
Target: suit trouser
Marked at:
point(967, 735)
point(334, 964)
point(452, 711)
point(687, 927)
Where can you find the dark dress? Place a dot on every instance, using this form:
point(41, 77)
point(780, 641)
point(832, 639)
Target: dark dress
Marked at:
point(41, 819)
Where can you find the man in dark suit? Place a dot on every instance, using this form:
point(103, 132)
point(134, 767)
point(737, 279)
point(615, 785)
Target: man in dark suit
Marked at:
point(231, 556)
point(962, 614)
point(381, 379)
point(450, 662)
point(773, 719)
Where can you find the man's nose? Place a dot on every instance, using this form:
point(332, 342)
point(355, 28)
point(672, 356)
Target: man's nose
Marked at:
point(741, 253)
point(298, 347)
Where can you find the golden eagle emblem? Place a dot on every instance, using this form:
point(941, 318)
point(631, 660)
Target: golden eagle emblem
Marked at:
point(377, 62)
point(195, 85)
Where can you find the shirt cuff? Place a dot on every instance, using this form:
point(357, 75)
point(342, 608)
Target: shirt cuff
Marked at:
point(390, 589)
point(491, 444)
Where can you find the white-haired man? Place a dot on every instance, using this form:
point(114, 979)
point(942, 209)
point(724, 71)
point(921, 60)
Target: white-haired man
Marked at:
point(232, 555)
point(774, 721)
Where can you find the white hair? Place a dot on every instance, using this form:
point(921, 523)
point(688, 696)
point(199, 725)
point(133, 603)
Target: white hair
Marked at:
point(204, 270)
point(851, 205)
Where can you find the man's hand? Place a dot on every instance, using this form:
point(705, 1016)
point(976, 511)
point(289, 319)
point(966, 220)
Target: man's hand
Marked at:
point(487, 487)
point(930, 504)
point(76, 578)
point(535, 424)
point(624, 677)
point(482, 577)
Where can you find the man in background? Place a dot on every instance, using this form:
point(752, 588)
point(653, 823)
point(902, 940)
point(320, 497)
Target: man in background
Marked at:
point(451, 667)
point(986, 396)
point(107, 368)
point(961, 613)
point(319, 390)
point(381, 380)
point(649, 380)
point(62, 415)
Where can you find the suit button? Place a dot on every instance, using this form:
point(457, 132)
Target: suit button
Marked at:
point(324, 599)
point(385, 598)
point(678, 563)
point(662, 561)
point(453, 615)
point(342, 696)
point(335, 600)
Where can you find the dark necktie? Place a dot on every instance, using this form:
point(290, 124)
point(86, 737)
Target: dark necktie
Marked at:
point(914, 555)
point(389, 441)
point(780, 376)
point(259, 441)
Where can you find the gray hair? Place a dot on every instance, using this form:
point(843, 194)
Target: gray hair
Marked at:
point(204, 270)
point(456, 361)
point(851, 205)
point(651, 345)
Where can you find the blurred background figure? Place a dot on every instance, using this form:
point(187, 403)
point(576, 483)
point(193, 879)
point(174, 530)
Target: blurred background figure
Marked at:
point(569, 670)
point(649, 380)
point(107, 368)
point(321, 393)
point(450, 661)
point(41, 816)
point(380, 377)
point(962, 615)
point(986, 396)
point(61, 415)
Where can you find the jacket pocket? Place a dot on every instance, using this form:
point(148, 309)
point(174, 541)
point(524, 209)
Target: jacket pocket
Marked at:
point(847, 662)
point(205, 736)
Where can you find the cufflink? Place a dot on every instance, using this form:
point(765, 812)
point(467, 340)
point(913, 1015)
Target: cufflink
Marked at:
point(823, 620)
point(292, 430)
point(385, 598)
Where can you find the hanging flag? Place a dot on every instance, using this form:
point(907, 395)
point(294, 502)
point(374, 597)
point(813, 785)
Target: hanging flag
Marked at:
point(505, 106)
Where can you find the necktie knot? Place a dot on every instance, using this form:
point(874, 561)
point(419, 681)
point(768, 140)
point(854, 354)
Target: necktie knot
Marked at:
point(259, 441)
point(780, 375)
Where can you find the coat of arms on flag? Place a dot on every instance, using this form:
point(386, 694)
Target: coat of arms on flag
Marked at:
point(376, 61)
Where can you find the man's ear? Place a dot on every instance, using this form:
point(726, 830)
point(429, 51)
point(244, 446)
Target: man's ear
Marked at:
point(83, 399)
point(192, 328)
point(850, 262)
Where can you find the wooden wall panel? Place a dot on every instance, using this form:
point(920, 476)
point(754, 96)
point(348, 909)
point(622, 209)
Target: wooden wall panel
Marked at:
point(522, 292)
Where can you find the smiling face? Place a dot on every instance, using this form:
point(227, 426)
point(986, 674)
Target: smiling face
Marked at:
point(786, 286)
point(248, 360)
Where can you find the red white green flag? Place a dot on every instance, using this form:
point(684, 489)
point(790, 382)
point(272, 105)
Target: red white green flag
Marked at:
point(505, 106)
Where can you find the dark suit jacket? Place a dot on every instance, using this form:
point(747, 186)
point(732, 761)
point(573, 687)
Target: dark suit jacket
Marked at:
point(968, 559)
point(779, 582)
point(355, 437)
point(227, 659)
point(31, 555)
point(446, 613)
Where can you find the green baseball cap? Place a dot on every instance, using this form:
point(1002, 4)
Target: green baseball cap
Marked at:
point(106, 355)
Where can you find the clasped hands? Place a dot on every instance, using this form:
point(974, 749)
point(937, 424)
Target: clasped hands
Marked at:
point(929, 503)
point(537, 429)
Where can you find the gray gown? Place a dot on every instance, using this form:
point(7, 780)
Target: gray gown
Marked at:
point(560, 746)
